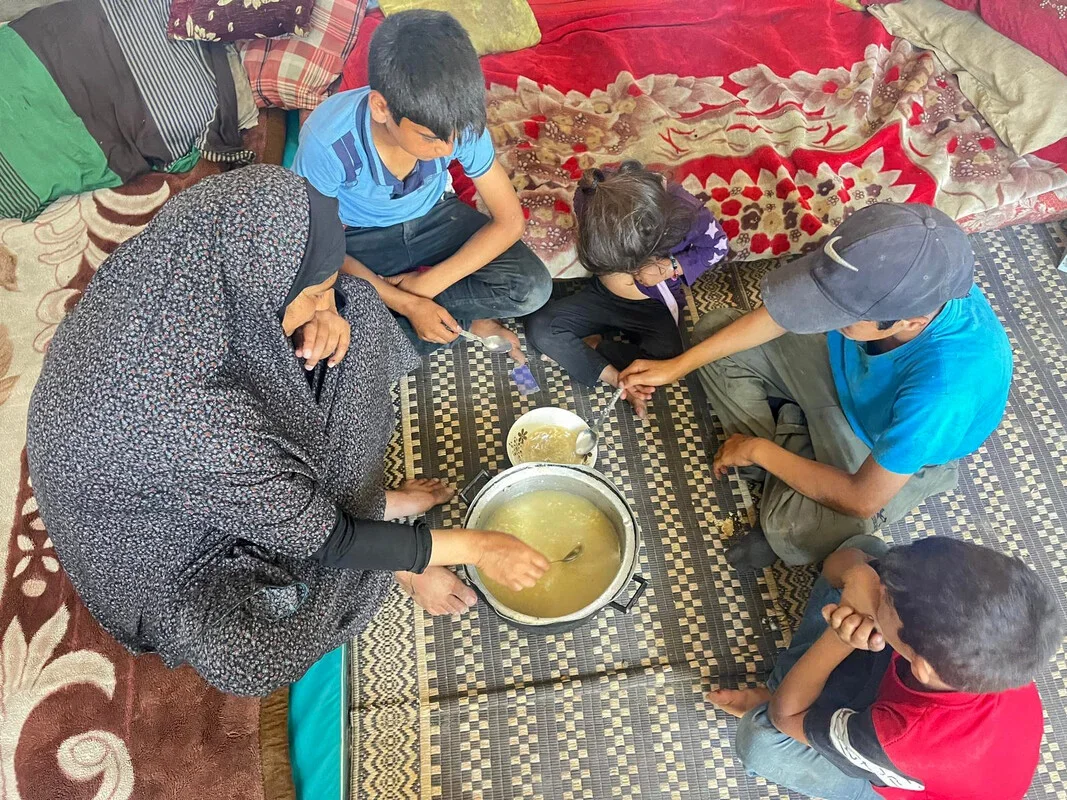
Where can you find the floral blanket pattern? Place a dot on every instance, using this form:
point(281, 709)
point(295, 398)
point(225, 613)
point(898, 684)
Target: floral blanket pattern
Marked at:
point(893, 127)
point(781, 144)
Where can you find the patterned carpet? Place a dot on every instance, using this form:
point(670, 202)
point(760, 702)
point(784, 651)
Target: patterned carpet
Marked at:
point(471, 708)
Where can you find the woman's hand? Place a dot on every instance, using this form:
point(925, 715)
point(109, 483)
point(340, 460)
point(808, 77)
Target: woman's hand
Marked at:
point(508, 561)
point(327, 335)
point(734, 452)
point(432, 322)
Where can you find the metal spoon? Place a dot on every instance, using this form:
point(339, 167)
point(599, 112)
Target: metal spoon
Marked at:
point(494, 344)
point(588, 438)
point(571, 556)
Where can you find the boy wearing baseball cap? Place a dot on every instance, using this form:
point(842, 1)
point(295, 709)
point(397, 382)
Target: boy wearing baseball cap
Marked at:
point(873, 366)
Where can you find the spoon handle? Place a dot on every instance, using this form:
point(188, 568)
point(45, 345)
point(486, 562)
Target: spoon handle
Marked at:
point(468, 335)
point(607, 409)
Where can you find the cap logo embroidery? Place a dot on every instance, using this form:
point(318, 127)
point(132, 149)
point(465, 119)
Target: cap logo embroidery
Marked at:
point(836, 257)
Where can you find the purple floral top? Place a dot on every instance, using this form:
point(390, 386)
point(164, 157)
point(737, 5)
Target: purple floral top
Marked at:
point(704, 246)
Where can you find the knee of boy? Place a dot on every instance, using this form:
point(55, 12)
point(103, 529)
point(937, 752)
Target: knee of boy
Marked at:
point(715, 320)
point(533, 289)
point(539, 328)
point(868, 543)
point(757, 740)
point(800, 538)
point(662, 348)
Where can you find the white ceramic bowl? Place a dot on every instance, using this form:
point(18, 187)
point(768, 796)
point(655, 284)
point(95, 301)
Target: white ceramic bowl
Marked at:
point(538, 418)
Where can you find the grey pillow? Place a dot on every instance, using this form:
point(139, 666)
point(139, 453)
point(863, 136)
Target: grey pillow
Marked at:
point(1018, 94)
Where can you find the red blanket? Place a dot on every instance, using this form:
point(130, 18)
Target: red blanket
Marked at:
point(784, 116)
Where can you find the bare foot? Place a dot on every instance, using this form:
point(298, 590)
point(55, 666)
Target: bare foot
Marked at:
point(593, 342)
point(640, 406)
point(738, 702)
point(437, 590)
point(416, 497)
point(490, 327)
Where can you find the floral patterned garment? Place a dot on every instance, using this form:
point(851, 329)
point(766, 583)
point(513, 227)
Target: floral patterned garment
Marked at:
point(182, 466)
point(230, 20)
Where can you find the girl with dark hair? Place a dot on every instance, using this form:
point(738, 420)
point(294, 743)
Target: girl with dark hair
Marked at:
point(641, 238)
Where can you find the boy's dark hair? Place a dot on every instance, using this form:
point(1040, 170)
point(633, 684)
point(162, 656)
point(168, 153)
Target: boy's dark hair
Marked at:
point(886, 324)
point(627, 218)
point(424, 65)
point(984, 620)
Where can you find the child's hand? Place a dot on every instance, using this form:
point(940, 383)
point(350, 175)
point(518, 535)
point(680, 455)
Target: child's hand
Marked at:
point(431, 322)
point(858, 631)
point(861, 589)
point(734, 452)
point(418, 283)
point(327, 335)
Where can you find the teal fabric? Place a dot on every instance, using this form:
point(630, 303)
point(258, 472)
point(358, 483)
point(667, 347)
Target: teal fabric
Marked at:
point(318, 729)
point(292, 138)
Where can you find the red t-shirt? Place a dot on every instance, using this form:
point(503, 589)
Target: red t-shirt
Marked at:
point(920, 745)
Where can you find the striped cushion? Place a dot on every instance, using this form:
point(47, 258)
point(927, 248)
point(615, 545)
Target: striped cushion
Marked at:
point(295, 72)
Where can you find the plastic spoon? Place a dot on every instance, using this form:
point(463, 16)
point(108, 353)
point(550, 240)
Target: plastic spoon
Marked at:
point(588, 438)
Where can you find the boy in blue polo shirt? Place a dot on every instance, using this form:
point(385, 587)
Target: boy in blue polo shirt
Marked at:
point(383, 151)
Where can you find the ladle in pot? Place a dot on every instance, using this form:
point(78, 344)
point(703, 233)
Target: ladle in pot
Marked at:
point(572, 555)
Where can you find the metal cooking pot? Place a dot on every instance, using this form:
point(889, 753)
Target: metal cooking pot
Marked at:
point(574, 479)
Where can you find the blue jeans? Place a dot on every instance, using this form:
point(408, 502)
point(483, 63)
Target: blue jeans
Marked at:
point(513, 284)
point(765, 751)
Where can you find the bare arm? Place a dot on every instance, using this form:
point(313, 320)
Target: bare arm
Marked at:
point(850, 626)
point(804, 683)
point(432, 322)
point(393, 296)
point(501, 556)
point(504, 229)
point(862, 494)
point(839, 562)
point(749, 331)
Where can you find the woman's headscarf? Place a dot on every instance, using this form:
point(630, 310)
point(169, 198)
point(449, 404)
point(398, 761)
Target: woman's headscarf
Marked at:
point(325, 249)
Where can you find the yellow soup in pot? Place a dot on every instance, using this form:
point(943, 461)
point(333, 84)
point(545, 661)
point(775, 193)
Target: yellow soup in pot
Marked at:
point(553, 522)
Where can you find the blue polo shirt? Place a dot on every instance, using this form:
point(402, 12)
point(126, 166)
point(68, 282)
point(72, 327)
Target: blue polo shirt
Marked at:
point(337, 155)
point(933, 399)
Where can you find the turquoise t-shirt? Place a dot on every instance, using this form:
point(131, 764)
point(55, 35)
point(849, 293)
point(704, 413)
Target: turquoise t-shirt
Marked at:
point(933, 399)
point(337, 155)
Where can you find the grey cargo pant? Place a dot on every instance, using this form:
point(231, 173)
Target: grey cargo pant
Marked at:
point(797, 369)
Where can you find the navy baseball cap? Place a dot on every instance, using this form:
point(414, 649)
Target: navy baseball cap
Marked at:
point(886, 262)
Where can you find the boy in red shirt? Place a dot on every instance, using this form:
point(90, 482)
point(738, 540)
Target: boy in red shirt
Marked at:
point(910, 676)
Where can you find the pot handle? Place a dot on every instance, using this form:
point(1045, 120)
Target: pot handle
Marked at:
point(463, 575)
point(483, 474)
point(642, 584)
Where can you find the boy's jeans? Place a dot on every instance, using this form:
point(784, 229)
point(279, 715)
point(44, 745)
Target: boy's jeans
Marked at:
point(513, 284)
point(783, 760)
point(796, 368)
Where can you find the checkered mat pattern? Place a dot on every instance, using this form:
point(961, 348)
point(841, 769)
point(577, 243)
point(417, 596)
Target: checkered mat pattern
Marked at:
point(471, 708)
